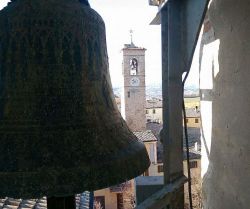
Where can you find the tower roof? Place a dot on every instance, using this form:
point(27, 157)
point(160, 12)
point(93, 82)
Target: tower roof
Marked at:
point(132, 46)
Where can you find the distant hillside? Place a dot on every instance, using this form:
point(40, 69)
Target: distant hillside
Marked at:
point(156, 91)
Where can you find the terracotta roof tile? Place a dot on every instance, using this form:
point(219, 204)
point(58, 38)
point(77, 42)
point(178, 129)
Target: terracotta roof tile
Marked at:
point(82, 202)
point(11, 203)
point(145, 136)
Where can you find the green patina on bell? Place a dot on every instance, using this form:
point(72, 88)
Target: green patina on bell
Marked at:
point(60, 130)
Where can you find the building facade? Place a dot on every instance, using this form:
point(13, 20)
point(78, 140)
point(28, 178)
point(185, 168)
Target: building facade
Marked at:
point(154, 110)
point(193, 117)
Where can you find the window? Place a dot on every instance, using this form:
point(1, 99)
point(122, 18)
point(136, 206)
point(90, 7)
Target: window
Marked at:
point(186, 120)
point(146, 111)
point(128, 94)
point(160, 168)
point(196, 120)
point(153, 111)
point(146, 173)
point(193, 164)
point(99, 202)
point(119, 197)
point(133, 66)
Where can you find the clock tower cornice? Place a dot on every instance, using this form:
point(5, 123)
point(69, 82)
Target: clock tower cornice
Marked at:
point(132, 49)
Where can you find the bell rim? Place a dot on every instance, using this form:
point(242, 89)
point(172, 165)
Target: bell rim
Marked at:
point(65, 182)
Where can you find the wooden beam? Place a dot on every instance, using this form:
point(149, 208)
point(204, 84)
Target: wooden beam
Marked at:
point(163, 197)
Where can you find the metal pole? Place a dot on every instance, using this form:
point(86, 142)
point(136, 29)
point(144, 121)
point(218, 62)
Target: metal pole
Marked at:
point(61, 202)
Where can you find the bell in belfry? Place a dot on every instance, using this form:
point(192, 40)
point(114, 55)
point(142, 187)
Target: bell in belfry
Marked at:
point(60, 130)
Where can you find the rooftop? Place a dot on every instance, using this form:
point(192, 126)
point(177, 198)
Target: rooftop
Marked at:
point(11, 203)
point(145, 136)
point(193, 154)
point(193, 137)
point(155, 128)
point(193, 112)
point(154, 103)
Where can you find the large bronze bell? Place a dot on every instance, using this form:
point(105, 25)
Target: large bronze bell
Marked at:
point(60, 130)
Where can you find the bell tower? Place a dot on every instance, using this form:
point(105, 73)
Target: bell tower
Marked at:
point(134, 96)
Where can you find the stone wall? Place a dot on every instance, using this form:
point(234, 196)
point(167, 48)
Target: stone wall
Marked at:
point(225, 105)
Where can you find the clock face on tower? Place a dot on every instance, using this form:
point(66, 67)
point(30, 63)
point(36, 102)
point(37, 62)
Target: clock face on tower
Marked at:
point(135, 81)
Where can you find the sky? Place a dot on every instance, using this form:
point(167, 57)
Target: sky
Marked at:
point(121, 16)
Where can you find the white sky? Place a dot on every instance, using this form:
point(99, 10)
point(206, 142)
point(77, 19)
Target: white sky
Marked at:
point(120, 16)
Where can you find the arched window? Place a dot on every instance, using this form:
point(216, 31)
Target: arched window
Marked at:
point(133, 66)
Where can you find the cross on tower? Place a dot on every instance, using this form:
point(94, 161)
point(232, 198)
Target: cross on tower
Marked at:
point(131, 36)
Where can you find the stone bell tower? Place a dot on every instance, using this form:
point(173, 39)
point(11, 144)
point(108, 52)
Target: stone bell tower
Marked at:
point(134, 96)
